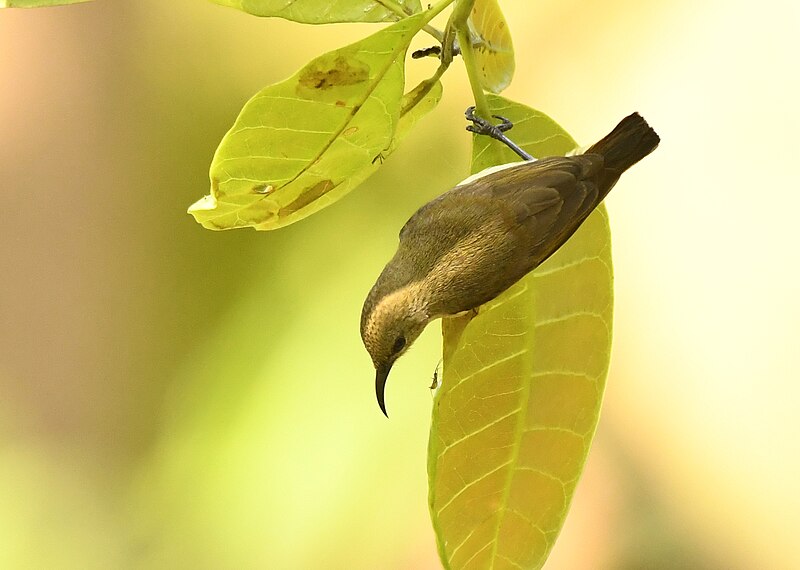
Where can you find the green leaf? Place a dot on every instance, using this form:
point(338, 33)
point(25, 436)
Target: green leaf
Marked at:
point(523, 382)
point(36, 3)
point(326, 11)
point(300, 145)
point(494, 53)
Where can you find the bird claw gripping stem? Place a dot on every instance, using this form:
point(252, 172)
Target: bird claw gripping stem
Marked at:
point(481, 126)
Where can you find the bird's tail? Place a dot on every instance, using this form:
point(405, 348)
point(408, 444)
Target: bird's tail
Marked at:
point(630, 141)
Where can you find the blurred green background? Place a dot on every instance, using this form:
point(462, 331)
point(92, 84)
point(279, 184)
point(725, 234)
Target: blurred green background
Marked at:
point(172, 397)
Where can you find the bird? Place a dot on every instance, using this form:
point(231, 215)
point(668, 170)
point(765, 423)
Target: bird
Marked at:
point(474, 241)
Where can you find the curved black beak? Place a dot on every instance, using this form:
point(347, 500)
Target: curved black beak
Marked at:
point(381, 373)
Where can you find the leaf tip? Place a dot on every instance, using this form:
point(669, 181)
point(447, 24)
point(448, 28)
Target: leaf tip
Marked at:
point(204, 204)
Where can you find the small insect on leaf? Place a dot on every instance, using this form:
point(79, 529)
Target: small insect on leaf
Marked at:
point(435, 382)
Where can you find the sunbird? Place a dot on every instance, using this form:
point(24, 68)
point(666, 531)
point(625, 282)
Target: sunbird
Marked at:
point(465, 247)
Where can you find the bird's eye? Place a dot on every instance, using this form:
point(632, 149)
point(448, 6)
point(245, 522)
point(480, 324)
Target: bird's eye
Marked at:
point(399, 344)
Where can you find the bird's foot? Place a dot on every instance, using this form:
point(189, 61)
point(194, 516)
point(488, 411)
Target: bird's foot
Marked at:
point(481, 126)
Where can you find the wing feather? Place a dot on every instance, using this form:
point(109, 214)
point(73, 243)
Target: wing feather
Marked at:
point(516, 218)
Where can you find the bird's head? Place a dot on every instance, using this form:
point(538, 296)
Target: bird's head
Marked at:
point(389, 325)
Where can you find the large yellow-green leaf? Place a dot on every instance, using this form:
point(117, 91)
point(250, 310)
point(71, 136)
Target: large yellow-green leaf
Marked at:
point(494, 52)
point(327, 11)
point(302, 144)
point(36, 3)
point(521, 391)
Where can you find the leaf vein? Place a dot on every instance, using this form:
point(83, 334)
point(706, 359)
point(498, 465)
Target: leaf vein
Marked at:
point(491, 365)
point(568, 316)
point(476, 432)
point(470, 485)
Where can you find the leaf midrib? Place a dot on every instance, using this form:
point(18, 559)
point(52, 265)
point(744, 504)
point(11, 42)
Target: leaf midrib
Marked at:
point(520, 429)
point(360, 102)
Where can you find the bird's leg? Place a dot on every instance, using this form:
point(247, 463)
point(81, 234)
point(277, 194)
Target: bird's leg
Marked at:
point(481, 126)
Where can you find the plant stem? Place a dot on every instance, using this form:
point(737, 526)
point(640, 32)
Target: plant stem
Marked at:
point(435, 32)
point(459, 22)
point(467, 53)
point(445, 57)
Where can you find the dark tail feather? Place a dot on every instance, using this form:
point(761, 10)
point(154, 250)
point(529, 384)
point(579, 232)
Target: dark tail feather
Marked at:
point(630, 141)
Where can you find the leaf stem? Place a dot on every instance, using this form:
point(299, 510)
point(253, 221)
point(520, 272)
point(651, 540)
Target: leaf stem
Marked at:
point(459, 22)
point(445, 59)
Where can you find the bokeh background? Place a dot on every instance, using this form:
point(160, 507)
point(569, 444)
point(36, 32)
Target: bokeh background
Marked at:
point(172, 397)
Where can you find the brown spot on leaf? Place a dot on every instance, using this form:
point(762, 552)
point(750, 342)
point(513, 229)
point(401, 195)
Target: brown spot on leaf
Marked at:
point(350, 131)
point(326, 73)
point(307, 196)
point(264, 189)
point(340, 103)
point(215, 191)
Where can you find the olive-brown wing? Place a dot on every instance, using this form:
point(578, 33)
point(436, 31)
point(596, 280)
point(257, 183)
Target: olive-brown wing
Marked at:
point(480, 238)
point(549, 200)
